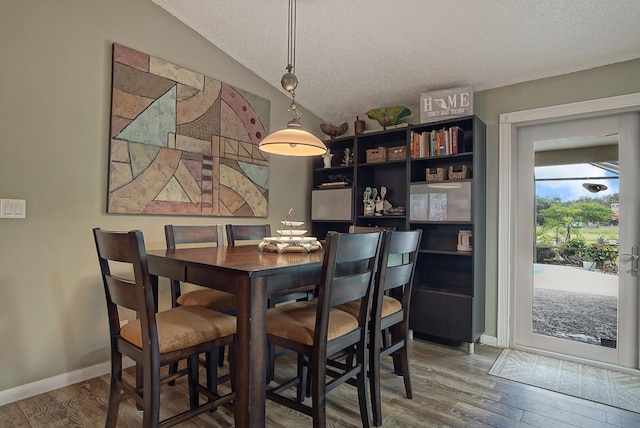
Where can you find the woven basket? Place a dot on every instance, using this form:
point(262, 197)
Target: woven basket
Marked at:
point(396, 153)
point(459, 172)
point(436, 174)
point(376, 155)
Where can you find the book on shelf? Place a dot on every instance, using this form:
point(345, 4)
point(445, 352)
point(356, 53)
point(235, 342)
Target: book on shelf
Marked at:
point(437, 142)
point(419, 144)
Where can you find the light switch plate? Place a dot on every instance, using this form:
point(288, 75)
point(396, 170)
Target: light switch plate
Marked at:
point(13, 208)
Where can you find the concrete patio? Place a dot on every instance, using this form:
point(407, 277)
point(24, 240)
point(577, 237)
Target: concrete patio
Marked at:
point(576, 279)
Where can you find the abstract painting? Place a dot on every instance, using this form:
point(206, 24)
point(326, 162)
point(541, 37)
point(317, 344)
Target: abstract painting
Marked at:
point(183, 143)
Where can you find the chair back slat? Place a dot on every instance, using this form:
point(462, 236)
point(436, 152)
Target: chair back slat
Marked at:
point(122, 292)
point(397, 276)
point(177, 235)
point(349, 288)
point(406, 242)
point(246, 232)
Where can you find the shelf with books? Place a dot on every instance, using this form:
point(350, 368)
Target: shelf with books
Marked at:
point(434, 143)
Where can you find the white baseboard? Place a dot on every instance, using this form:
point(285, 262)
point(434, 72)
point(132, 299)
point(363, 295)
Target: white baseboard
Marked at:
point(65, 379)
point(489, 340)
point(484, 339)
point(45, 385)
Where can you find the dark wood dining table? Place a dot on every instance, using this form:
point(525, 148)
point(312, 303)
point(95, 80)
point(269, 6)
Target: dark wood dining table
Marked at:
point(252, 276)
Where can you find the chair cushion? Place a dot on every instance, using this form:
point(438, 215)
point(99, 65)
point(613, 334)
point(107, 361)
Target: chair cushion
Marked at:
point(213, 299)
point(183, 327)
point(389, 306)
point(296, 322)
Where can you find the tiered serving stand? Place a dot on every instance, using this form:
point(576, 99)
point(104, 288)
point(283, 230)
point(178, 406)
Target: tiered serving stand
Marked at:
point(291, 239)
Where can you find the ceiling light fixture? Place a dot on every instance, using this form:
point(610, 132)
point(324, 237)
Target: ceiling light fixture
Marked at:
point(292, 141)
point(594, 187)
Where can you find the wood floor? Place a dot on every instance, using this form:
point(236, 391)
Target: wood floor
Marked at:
point(450, 389)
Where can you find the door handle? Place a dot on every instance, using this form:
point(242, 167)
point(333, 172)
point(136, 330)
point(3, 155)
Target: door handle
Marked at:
point(633, 256)
point(634, 260)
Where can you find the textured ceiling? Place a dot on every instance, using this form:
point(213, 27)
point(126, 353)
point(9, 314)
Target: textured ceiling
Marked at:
point(356, 55)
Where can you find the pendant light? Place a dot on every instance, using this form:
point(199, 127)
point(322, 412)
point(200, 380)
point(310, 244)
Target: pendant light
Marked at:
point(292, 141)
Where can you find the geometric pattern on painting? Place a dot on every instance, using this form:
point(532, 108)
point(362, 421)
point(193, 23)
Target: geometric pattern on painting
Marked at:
point(183, 143)
point(246, 189)
point(258, 174)
point(154, 123)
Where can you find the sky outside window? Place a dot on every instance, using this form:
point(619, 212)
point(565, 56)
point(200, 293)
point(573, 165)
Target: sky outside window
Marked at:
point(572, 189)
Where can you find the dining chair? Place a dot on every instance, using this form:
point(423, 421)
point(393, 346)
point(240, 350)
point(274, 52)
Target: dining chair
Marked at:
point(390, 311)
point(246, 232)
point(255, 233)
point(316, 330)
point(185, 235)
point(154, 339)
point(179, 236)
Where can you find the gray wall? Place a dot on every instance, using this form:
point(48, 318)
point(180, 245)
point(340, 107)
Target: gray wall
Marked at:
point(55, 78)
point(55, 84)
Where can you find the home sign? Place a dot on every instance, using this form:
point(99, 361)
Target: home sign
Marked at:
point(445, 104)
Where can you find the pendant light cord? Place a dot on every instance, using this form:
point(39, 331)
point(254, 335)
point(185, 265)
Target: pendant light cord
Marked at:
point(291, 47)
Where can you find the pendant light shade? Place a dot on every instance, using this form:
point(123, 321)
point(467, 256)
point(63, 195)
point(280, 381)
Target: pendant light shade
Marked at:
point(292, 141)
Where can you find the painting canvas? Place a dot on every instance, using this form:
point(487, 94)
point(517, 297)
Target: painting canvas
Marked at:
point(183, 143)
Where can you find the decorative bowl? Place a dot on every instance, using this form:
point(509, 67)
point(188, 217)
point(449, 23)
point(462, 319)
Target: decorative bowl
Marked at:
point(388, 116)
point(332, 130)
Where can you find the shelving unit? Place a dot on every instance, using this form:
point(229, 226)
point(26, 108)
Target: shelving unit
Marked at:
point(332, 207)
point(391, 174)
point(449, 286)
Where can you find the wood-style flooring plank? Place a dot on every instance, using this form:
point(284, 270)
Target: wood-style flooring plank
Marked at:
point(450, 389)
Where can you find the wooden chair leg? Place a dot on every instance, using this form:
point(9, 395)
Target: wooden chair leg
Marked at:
point(404, 363)
point(401, 357)
point(304, 387)
point(271, 357)
point(173, 367)
point(114, 392)
point(232, 367)
point(221, 356)
point(139, 383)
point(193, 369)
point(151, 397)
point(211, 363)
point(374, 380)
point(361, 381)
point(319, 395)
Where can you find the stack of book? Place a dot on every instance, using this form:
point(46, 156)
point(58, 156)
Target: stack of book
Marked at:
point(446, 141)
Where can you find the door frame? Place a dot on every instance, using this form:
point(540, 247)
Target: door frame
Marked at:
point(509, 122)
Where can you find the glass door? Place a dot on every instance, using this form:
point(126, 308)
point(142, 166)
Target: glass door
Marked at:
point(576, 290)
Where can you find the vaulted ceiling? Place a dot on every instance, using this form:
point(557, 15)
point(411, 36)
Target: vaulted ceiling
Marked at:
point(356, 55)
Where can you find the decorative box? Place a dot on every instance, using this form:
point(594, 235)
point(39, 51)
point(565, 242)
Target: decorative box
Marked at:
point(436, 174)
point(397, 153)
point(376, 155)
point(459, 172)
